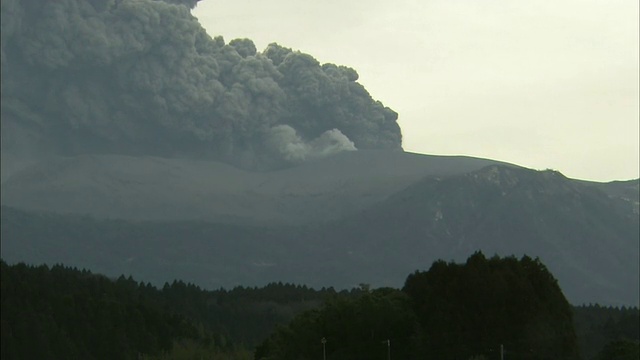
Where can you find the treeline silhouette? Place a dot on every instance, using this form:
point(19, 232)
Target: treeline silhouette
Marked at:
point(452, 311)
point(599, 327)
point(61, 312)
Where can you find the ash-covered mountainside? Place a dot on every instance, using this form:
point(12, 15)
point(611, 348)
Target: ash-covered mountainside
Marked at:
point(585, 234)
point(153, 188)
point(142, 77)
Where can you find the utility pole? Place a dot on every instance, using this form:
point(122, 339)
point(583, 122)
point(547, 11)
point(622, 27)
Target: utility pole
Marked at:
point(388, 348)
point(501, 352)
point(324, 350)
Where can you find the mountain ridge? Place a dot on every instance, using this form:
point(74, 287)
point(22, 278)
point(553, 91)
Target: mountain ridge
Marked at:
point(152, 188)
point(587, 236)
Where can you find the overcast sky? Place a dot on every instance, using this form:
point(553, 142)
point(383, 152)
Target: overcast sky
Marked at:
point(542, 84)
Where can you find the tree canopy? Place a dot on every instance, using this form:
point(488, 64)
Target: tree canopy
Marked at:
point(473, 308)
point(352, 328)
point(452, 311)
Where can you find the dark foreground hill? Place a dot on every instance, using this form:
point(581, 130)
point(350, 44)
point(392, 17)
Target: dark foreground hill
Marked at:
point(371, 217)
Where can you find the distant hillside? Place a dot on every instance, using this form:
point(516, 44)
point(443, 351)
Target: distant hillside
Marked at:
point(152, 188)
point(622, 191)
point(588, 238)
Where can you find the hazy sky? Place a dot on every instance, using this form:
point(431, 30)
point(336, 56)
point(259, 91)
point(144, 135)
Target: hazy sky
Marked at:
point(542, 84)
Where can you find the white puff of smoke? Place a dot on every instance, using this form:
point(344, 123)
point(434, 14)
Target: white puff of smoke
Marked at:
point(329, 143)
point(285, 142)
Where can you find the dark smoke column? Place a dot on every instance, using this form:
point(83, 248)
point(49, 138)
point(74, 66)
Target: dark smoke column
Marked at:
point(142, 77)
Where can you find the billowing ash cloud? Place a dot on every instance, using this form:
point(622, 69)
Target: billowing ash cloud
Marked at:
point(143, 77)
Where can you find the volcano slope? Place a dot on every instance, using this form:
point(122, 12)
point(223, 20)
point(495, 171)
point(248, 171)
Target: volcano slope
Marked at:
point(358, 217)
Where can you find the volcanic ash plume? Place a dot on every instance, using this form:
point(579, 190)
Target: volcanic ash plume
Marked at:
point(143, 77)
